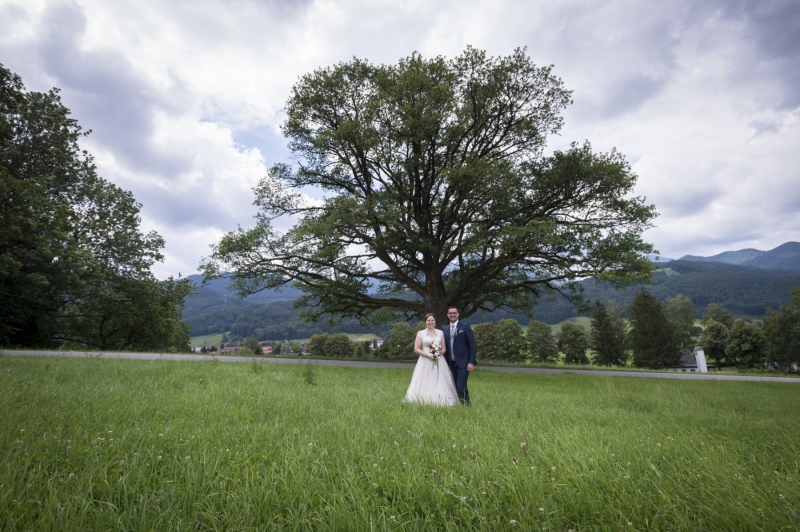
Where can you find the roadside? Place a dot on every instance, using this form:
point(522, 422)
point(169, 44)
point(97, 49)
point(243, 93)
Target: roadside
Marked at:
point(367, 364)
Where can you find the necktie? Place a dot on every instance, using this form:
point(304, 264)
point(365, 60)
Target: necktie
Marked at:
point(452, 337)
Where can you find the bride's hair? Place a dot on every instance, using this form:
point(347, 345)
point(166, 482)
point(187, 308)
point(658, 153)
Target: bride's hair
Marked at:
point(429, 314)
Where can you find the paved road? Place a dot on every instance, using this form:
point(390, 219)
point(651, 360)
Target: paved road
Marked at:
point(363, 364)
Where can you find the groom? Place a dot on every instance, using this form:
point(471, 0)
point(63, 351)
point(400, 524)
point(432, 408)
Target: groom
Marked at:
point(461, 350)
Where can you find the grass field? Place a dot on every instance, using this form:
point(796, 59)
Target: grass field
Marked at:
point(96, 444)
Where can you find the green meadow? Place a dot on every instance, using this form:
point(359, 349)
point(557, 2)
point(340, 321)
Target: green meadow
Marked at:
point(98, 444)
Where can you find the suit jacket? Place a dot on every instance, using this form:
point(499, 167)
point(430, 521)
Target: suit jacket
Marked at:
point(464, 349)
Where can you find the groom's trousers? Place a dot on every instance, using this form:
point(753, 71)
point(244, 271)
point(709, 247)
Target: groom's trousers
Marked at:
point(460, 375)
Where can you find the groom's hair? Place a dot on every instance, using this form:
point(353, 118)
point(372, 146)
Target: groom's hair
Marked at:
point(452, 307)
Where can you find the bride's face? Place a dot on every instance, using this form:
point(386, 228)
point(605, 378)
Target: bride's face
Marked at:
point(430, 322)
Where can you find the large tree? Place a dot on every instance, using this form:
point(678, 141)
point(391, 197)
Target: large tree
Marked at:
point(541, 342)
point(573, 342)
point(782, 332)
point(608, 336)
point(651, 336)
point(681, 313)
point(438, 192)
point(74, 265)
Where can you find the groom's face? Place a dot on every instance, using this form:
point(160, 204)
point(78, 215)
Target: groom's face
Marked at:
point(452, 315)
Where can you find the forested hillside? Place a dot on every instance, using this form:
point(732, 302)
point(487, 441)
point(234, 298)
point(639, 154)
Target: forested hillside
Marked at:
point(746, 291)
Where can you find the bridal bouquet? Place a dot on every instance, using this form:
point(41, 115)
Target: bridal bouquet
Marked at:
point(436, 350)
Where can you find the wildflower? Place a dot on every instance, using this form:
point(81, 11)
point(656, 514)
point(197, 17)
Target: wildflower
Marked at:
point(630, 524)
point(122, 462)
point(781, 497)
point(22, 430)
point(187, 457)
point(393, 519)
point(159, 457)
point(513, 522)
point(553, 468)
point(227, 450)
point(541, 511)
point(454, 447)
point(71, 476)
point(533, 469)
point(374, 486)
point(310, 445)
point(160, 435)
point(483, 493)
point(760, 511)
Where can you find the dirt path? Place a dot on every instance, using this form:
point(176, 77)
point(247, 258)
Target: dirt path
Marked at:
point(363, 364)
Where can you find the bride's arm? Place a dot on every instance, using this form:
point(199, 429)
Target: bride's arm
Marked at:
point(442, 342)
point(418, 347)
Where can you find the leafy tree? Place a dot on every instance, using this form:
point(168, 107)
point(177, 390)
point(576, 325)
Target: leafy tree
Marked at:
point(316, 346)
point(509, 340)
point(427, 165)
point(339, 345)
point(651, 336)
point(245, 351)
point(715, 340)
point(253, 345)
point(681, 313)
point(286, 348)
point(782, 332)
point(484, 341)
point(540, 342)
point(573, 342)
point(361, 349)
point(607, 338)
point(746, 344)
point(401, 341)
point(719, 313)
point(74, 266)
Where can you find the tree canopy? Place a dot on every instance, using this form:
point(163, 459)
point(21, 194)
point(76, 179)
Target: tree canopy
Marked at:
point(438, 192)
point(74, 265)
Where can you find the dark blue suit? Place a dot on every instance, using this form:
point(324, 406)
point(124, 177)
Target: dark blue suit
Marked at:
point(463, 352)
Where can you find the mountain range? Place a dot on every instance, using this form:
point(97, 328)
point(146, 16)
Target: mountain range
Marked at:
point(784, 257)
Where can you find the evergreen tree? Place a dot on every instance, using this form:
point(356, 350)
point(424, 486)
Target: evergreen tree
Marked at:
point(573, 342)
point(608, 340)
point(782, 332)
point(541, 342)
point(651, 337)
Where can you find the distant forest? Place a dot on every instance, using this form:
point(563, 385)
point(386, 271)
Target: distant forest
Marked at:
point(744, 290)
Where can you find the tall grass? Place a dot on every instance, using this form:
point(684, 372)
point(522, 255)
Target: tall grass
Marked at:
point(94, 444)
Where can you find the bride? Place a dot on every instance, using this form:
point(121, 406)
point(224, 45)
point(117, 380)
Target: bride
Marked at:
point(432, 381)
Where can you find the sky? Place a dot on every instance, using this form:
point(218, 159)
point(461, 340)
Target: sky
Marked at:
point(185, 99)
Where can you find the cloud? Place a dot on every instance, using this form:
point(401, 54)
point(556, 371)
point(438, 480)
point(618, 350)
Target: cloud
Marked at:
point(185, 99)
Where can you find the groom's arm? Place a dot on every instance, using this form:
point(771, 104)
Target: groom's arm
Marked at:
point(473, 347)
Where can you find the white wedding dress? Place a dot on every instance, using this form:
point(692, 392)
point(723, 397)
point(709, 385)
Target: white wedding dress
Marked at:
point(432, 382)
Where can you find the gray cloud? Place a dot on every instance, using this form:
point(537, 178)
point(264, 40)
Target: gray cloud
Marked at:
point(106, 93)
